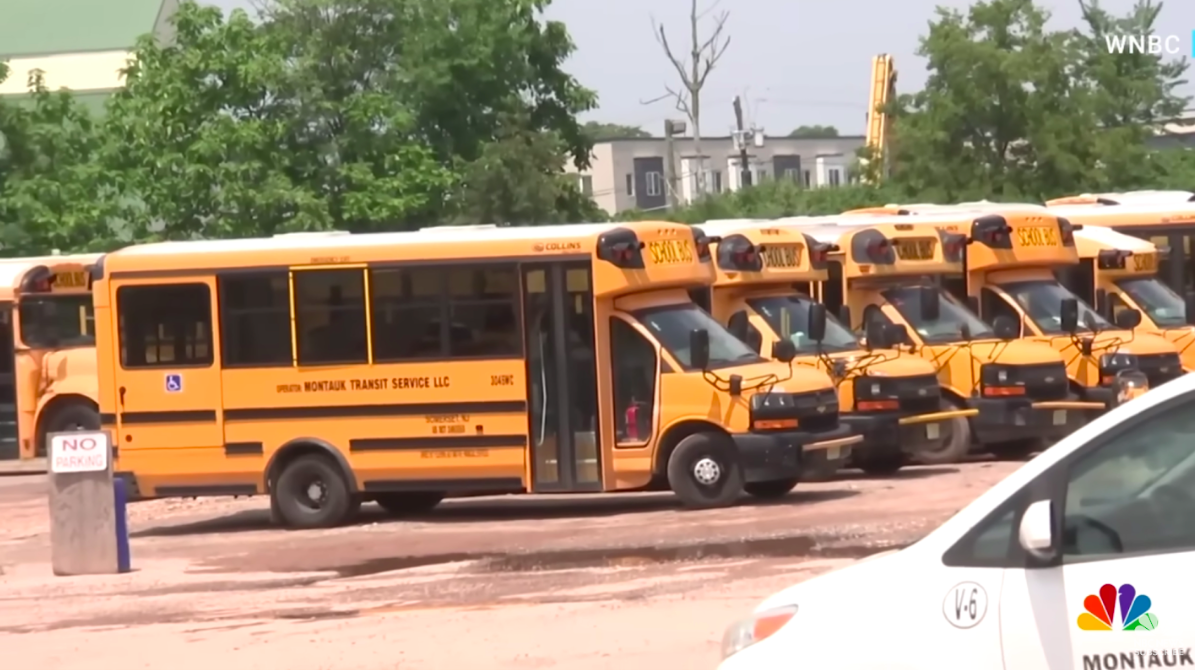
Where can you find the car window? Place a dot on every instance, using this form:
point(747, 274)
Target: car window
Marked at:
point(990, 544)
point(1135, 493)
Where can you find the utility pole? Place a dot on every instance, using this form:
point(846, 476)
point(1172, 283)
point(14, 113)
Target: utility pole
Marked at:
point(671, 129)
point(740, 140)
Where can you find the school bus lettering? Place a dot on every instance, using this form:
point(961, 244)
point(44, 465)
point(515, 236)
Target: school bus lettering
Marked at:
point(670, 252)
point(1145, 262)
point(322, 260)
point(448, 418)
point(456, 453)
point(376, 384)
point(290, 388)
point(419, 382)
point(502, 380)
point(917, 249)
point(455, 429)
point(558, 246)
point(70, 281)
point(1038, 236)
point(324, 386)
point(782, 255)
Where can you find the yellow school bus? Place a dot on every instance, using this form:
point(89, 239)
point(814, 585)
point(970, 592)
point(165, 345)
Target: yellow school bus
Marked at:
point(330, 369)
point(49, 384)
point(1012, 254)
point(766, 274)
point(1119, 272)
point(892, 274)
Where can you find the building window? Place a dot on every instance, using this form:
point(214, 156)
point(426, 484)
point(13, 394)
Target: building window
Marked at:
point(255, 319)
point(716, 181)
point(761, 176)
point(835, 176)
point(330, 316)
point(808, 179)
point(630, 184)
point(165, 326)
point(791, 174)
point(655, 184)
point(586, 185)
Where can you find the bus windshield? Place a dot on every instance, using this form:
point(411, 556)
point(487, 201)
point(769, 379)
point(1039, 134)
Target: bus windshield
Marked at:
point(671, 326)
point(952, 316)
point(789, 317)
point(57, 321)
point(1162, 305)
point(1042, 301)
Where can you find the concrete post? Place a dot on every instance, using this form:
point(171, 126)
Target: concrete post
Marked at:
point(83, 514)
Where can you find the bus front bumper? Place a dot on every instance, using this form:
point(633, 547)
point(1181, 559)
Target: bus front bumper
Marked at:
point(890, 434)
point(772, 456)
point(1012, 419)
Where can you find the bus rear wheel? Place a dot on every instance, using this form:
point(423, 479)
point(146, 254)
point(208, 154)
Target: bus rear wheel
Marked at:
point(71, 417)
point(413, 502)
point(955, 444)
point(704, 471)
point(777, 488)
point(311, 492)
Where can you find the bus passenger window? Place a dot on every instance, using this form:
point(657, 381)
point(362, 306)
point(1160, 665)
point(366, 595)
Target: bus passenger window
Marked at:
point(165, 326)
point(330, 316)
point(406, 309)
point(255, 320)
point(484, 312)
point(634, 360)
point(992, 305)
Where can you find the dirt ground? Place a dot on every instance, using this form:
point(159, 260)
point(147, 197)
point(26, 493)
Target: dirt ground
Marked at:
point(585, 583)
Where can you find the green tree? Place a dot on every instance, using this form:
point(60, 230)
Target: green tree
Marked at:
point(54, 193)
point(814, 132)
point(602, 132)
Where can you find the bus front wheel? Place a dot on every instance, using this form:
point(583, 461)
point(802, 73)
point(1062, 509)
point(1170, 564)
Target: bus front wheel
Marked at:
point(704, 472)
point(413, 502)
point(311, 493)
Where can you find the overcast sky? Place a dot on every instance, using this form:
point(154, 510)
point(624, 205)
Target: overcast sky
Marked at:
point(795, 62)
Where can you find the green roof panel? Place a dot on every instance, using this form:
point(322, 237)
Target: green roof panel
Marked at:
point(43, 27)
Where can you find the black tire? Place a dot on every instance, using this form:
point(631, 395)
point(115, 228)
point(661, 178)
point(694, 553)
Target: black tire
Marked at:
point(704, 471)
point(820, 471)
point(777, 488)
point(1016, 451)
point(414, 502)
point(955, 447)
point(880, 464)
point(71, 417)
point(291, 494)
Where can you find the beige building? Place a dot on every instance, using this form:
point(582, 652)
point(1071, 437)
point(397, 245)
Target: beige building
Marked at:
point(630, 173)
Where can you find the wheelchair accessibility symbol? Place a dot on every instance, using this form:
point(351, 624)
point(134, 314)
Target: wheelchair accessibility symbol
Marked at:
point(174, 383)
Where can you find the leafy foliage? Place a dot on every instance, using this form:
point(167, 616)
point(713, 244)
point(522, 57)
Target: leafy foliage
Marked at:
point(814, 132)
point(602, 132)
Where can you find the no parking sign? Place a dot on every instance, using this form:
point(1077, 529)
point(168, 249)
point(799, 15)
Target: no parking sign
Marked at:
point(82, 451)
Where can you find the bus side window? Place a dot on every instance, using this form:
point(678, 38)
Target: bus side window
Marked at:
point(255, 320)
point(406, 309)
point(873, 313)
point(484, 312)
point(1116, 305)
point(634, 362)
point(165, 326)
point(330, 316)
point(741, 326)
point(992, 305)
point(833, 296)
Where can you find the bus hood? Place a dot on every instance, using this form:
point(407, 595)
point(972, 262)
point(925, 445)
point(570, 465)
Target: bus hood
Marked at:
point(1015, 352)
point(1124, 341)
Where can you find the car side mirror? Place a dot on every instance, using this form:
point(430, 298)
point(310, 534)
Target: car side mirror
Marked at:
point(699, 348)
point(1128, 319)
point(1191, 308)
point(1068, 315)
point(1036, 533)
point(784, 350)
point(1006, 328)
point(876, 333)
point(897, 333)
point(931, 303)
point(817, 322)
point(844, 315)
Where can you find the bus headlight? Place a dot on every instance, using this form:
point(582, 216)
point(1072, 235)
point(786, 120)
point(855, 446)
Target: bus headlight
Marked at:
point(759, 626)
point(1130, 384)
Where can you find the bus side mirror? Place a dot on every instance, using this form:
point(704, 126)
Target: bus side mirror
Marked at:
point(844, 314)
point(1068, 315)
point(699, 348)
point(1006, 328)
point(897, 333)
point(817, 322)
point(738, 326)
point(931, 305)
point(1191, 308)
point(876, 333)
point(1101, 304)
point(784, 350)
point(1128, 319)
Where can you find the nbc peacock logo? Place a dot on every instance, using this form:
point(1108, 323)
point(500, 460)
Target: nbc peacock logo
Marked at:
point(1101, 610)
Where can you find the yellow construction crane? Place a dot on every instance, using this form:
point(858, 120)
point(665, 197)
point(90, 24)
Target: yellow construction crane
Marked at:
point(883, 90)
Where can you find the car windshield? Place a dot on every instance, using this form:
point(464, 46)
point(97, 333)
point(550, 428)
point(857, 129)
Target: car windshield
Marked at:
point(789, 317)
point(952, 316)
point(1162, 305)
point(57, 321)
point(672, 325)
point(1042, 301)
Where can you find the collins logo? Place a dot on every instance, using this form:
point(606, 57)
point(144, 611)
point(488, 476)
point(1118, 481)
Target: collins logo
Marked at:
point(1101, 610)
point(557, 246)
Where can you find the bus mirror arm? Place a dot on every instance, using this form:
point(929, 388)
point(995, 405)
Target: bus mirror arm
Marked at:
point(1190, 305)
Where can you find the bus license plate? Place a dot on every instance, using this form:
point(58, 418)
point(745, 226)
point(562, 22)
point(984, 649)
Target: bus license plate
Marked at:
point(933, 431)
point(667, 252)
point(1059, 417)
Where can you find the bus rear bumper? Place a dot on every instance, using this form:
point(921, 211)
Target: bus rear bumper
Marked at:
point(773, 456)
point(1012, 419)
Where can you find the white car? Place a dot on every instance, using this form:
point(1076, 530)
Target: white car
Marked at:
point(1083, 559)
